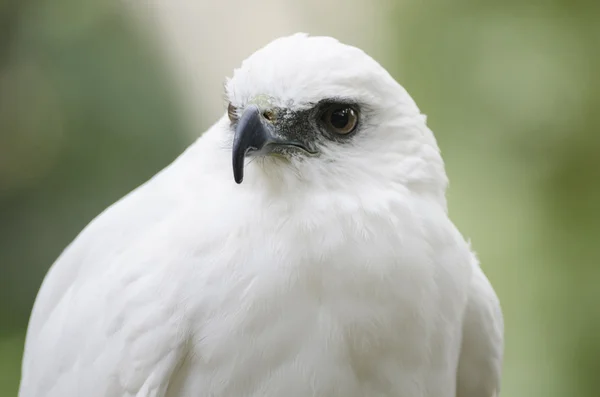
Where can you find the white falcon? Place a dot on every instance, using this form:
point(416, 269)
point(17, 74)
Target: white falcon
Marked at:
point(325, 266)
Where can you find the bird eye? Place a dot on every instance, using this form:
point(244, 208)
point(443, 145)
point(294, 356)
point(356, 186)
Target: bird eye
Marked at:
point(232, 113)
point(340, 119)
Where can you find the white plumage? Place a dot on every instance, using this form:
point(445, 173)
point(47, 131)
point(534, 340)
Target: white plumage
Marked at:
point(336, 274)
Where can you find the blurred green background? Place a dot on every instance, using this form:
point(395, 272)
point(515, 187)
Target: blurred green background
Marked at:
point(90, 107)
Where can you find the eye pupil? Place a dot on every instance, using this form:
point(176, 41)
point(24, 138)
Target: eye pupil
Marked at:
point(340, 118)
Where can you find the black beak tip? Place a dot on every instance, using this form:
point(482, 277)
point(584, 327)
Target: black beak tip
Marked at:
point(238, 167)
point(238, 177)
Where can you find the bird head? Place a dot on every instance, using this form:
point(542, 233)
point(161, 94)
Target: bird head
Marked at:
point(313, 110)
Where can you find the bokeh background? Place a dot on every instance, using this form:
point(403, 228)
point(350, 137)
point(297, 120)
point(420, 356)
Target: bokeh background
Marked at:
point(98, 95)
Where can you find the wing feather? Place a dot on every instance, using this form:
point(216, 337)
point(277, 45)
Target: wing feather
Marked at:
point(106, 321)
point(480, 363)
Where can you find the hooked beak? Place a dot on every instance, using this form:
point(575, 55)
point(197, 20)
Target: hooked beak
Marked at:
point(254, 136)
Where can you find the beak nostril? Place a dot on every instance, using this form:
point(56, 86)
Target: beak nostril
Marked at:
point(269, 115)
